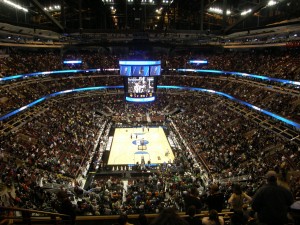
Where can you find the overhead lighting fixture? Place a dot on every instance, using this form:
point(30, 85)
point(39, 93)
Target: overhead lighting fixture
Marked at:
point(245, 12)
point(15, 5)
point(52, 8)
point(146, 2)
point(218, 11)
point(159, 11)
point(108, 1)
point(271, 3)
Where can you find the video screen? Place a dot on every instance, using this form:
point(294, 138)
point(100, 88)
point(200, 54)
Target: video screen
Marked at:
point(140, 85)
point(140, 70)
point(125, 70)
point(155, 71)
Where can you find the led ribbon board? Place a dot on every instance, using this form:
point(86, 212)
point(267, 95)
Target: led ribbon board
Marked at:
point(62, 72)
point(198, 61)
point(265, 78)
point(268, 113)
point(150, 99)
point(72, 62)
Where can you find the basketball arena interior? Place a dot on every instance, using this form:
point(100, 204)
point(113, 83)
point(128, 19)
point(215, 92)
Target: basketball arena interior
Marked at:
point(141, 111)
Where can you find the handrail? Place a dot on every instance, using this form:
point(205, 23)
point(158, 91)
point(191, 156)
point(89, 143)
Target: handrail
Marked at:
point(27, 218)
point(136, 216)
point(31, 211)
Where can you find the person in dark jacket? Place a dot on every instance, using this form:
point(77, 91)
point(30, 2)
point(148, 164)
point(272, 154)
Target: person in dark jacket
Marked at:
point(193, 199)
point(271, 202)
point(216, 199)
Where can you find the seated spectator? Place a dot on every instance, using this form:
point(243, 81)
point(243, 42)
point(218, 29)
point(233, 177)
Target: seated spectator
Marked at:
point(192, 219)
point(123, 220)
point(295, 212)
point(251, 219)
point(213, 219)
point(169, 217)
point(142, 219)
point(238, 218)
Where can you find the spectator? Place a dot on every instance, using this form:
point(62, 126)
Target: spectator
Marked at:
point(169, 217)
point(238, 198)
point(66, 207)
point(193, 199)
point(213, 219)
point(216, 199)
point(295, 212)
point(192, 219)
point(238, 218)
point(251, 219)
point(142, 219)
point(272, 202)
point(123, 220)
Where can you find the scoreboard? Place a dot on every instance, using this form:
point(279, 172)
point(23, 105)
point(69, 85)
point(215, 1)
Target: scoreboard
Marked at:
point(140, 79)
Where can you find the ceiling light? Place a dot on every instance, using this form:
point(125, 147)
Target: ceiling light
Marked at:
point(245, 12)
point(272, 2)
point(218, 11)
point(15, 5)
point(52, 8)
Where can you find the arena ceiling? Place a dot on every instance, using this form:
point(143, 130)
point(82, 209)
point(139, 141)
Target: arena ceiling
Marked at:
point(156, 15)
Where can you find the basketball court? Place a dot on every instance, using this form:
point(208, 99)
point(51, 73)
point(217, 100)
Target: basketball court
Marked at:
point(132, 145)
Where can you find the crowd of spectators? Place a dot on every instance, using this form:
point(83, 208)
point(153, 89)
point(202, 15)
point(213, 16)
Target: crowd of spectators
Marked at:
point(229, 143)
point(282, 64)
point(277, 64)
point(56, 147)
point(266, 98)
point(18, 94)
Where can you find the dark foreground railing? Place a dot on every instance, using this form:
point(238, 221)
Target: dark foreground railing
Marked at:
point(12, 215)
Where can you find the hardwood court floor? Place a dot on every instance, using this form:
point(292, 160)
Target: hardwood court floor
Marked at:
point(125, 143)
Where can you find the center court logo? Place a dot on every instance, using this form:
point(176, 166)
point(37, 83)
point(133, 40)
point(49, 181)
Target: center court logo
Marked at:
point(140, 142)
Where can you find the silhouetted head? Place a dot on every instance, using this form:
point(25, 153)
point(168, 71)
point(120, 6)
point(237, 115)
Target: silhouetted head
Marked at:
point(237, 189)
point(123, 219)
point(213, 215)
point(191, 211)
point(169, 216)
point(194, 191)
point(271, 177)
point(214, 188)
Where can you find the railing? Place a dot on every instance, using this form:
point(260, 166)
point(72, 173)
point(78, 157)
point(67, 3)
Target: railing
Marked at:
point(57, 218)
point(113, 219)
point(8, 215)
